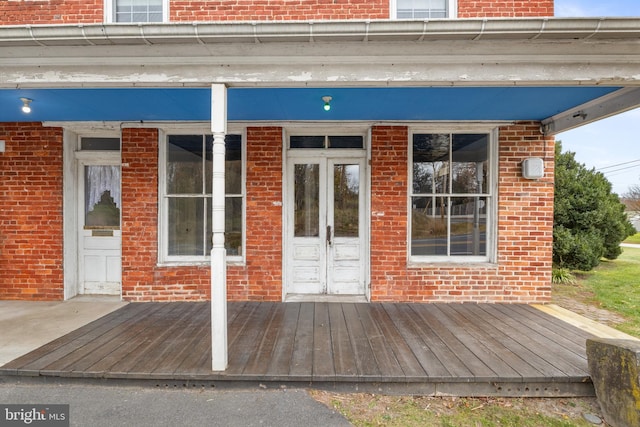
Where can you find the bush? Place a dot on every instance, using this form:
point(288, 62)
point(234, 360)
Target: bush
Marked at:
point(589, 221)
point(562, 276)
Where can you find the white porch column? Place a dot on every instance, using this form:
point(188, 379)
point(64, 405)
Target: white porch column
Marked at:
point(219, 356)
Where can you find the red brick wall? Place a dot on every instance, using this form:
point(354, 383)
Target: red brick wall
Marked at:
point(142, 279)
point(269, 10)
point(261, 278)
point(31, 263)
point(525, 228)
point(20, 12)
point(79, 11)
point(505, 8)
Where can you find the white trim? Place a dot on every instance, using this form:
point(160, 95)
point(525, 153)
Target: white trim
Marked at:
point(491, 195)
point(70, 213)
point(178, 261)
point(363, 157)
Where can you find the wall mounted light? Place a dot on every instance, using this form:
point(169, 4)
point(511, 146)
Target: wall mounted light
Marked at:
point(26, 105)
point(327, 102)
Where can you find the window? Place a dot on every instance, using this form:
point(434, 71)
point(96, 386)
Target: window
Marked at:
point(423, 9)
point(451, 196)
point(186, 197)
point(136, 10)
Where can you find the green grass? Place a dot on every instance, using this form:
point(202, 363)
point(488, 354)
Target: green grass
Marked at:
point(417, 411)
point(633, 239)
point(615, 286)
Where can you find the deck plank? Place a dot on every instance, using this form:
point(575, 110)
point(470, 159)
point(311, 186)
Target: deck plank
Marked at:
point(382, 349)
point(343, 355)
point(302, 356)
point(462, 343)
point(280, 363)
point(408, 361)
point(566, 362)
point(414, 338)
point(486, 341)
point(449, 359)
point(56, 349)
point(260, 357)
point(160, 328)
point(366, 364)
point(574, 341)
point(524, 359)
point(326, 343)
point(125, 344)
point(245, 344)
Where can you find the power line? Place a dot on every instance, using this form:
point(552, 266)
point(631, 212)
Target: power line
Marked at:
point(621, 169)
point(619, 164)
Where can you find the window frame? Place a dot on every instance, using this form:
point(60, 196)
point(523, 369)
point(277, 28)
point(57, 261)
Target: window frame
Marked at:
point(491, 194)
point(110, 13)
point(163, 201)
point(452, 8)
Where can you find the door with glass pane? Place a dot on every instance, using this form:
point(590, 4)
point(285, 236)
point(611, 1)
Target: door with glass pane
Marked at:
point(326, 226)
point(100, 237)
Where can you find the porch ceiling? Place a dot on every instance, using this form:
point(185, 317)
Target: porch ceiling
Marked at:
point(299, 104)
point(564, 72)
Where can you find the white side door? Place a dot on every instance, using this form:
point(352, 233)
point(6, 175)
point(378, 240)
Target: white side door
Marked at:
point(326, 226)
point(99, 234)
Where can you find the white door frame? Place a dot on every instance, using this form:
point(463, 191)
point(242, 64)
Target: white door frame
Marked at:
point(71, 158)
point(92, 158)
point(330, 157)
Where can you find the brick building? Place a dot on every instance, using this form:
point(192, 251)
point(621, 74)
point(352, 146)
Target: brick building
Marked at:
point(372, 150)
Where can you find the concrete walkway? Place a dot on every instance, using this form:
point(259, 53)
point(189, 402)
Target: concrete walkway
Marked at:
point(27, 325)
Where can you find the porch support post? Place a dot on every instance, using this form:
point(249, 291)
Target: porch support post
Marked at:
point(219, 351)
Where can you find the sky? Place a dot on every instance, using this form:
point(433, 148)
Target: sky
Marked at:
point(611, 145)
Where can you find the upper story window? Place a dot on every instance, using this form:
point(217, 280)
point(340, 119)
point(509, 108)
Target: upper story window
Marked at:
point(136, 10)
point(423, 9)
point(451, 202)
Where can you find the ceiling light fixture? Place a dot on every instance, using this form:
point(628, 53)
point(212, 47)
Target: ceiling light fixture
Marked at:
point(327, 102)
point(26, 105)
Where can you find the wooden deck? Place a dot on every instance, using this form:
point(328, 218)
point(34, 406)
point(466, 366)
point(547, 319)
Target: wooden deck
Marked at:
point(459, 349)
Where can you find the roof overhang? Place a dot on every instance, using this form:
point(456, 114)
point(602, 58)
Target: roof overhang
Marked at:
point(565, 72)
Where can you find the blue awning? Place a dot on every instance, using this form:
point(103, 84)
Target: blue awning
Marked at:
point(298, 104)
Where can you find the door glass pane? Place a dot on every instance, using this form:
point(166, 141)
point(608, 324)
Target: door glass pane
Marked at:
point(102, 196)
point(468, 226)
point(429, 225)
point(307, 200)
point(186, 226)
point(346, 194)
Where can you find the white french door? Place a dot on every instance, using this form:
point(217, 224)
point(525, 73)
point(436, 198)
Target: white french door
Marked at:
point(326, 225)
